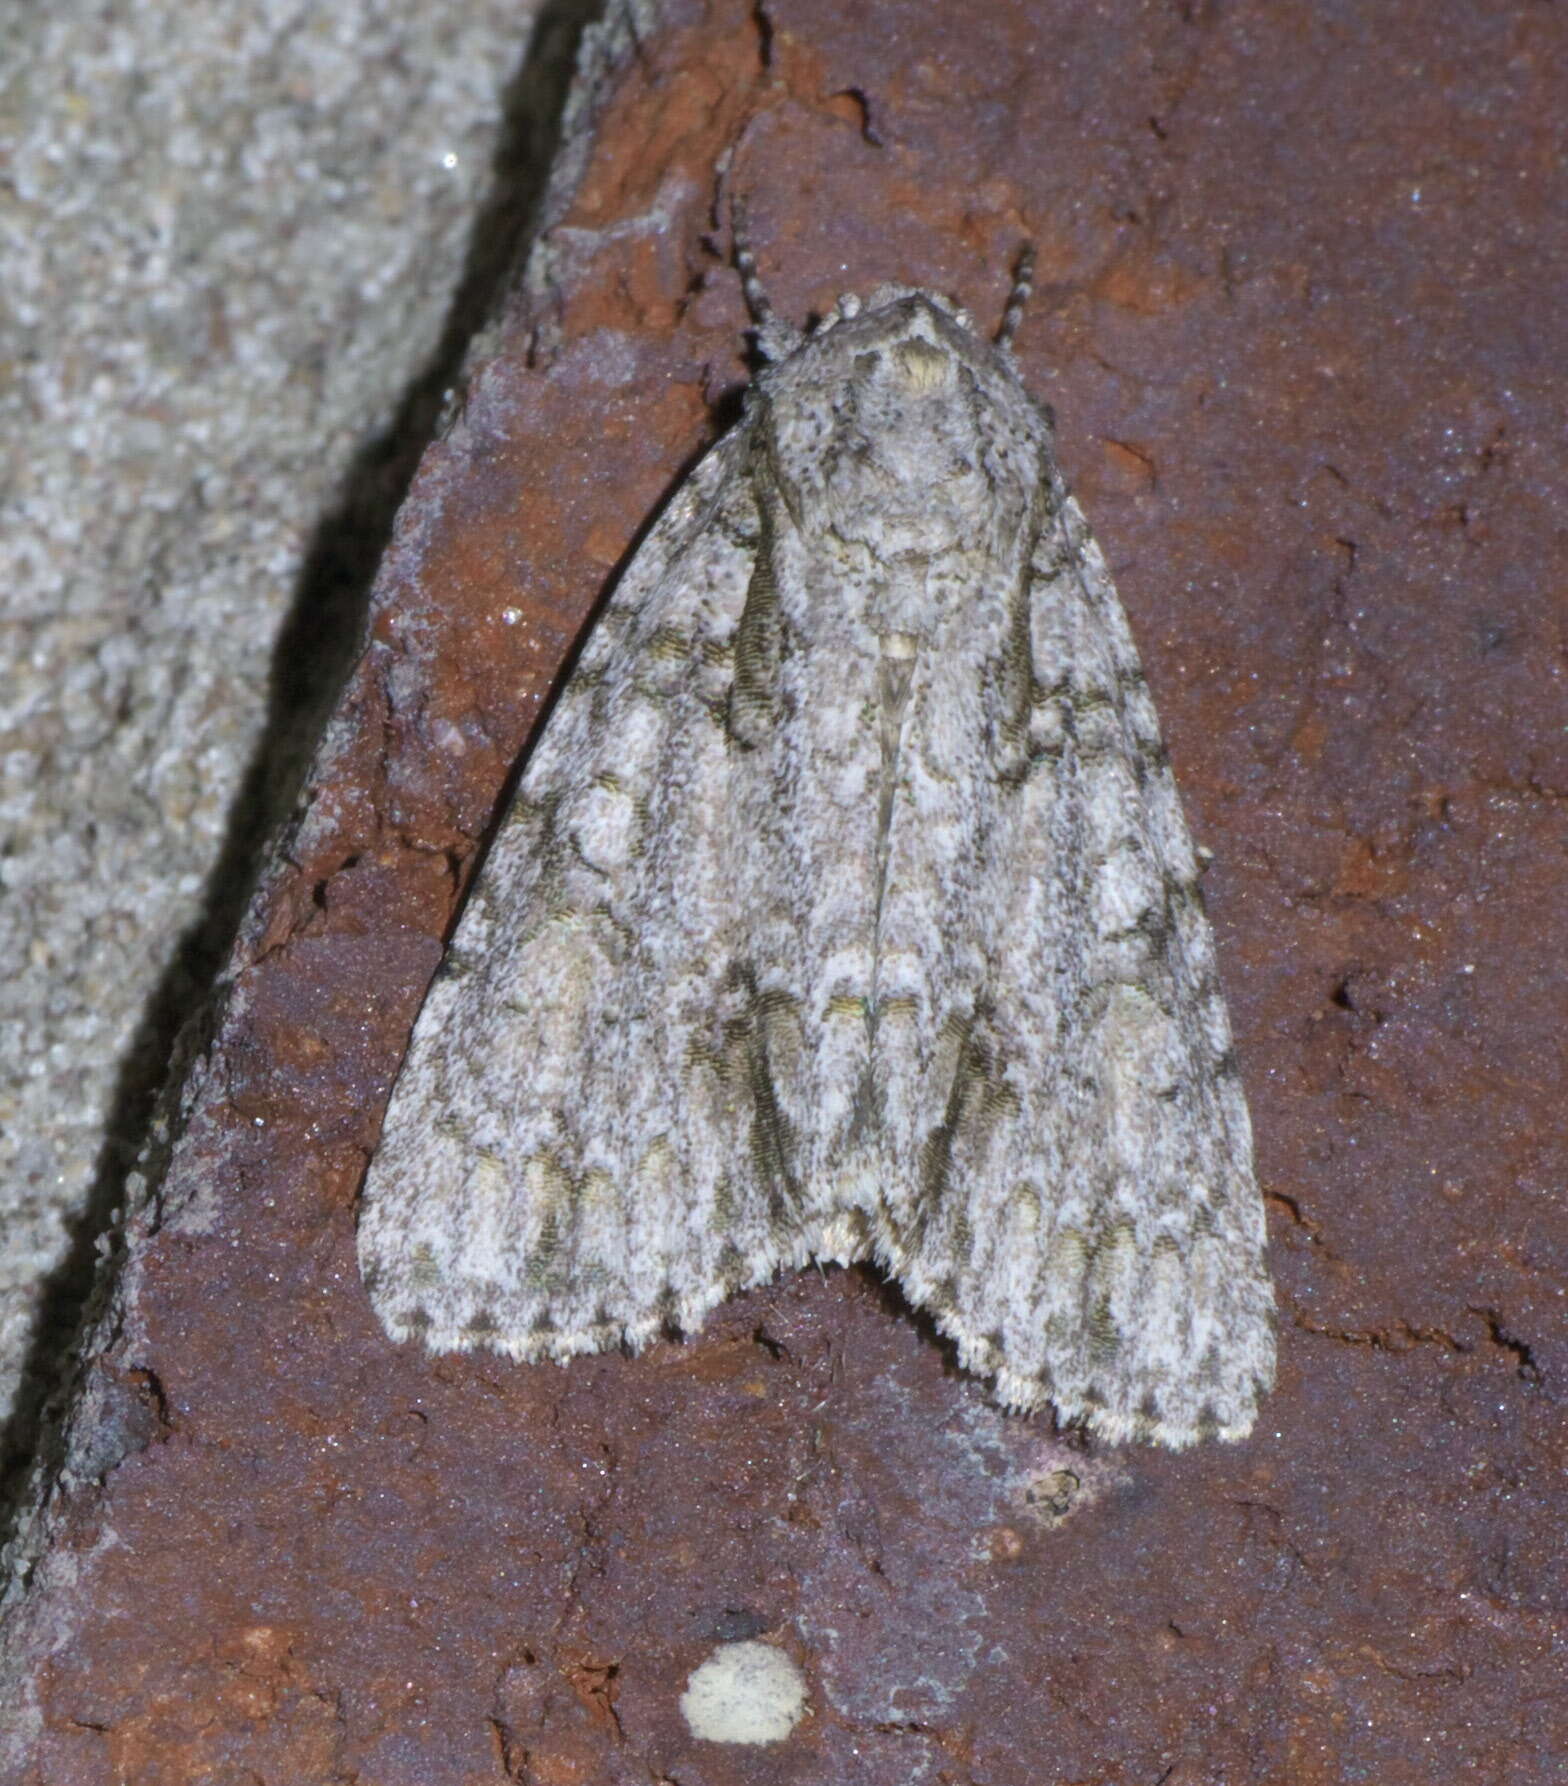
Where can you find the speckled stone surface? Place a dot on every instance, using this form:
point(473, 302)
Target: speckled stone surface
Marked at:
point(1299, 310)
point(233, 240)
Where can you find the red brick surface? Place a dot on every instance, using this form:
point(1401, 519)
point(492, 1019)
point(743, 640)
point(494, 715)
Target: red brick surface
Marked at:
point(1300, 310)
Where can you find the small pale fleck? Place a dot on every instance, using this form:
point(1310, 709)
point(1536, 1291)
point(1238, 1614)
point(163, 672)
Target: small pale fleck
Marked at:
point(744, 1693)
point(511, 616)
point(1053, 1496)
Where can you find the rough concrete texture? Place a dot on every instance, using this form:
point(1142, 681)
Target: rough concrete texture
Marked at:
point(1300, 313)
point(233, 243)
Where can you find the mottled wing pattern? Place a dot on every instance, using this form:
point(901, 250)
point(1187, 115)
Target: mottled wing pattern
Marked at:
point(846, 909)
point(1082, 1216)
point(584, 1144)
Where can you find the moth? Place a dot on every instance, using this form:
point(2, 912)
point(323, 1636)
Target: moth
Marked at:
point(845, 910)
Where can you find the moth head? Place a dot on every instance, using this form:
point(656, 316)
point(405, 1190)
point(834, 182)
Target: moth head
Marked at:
point(907, 353)
point(921, 364)
point(894, 421)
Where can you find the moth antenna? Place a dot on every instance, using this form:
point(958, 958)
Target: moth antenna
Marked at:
point(757, 300)
point(1023, 289)
point(776, 339)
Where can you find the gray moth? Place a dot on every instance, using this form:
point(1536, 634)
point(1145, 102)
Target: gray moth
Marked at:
point(845, 910)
